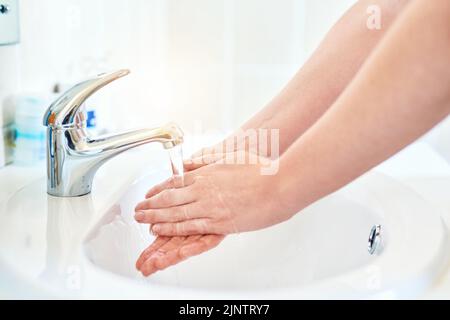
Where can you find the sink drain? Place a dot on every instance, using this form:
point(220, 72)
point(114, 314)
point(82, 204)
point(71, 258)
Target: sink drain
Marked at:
point(374, 245)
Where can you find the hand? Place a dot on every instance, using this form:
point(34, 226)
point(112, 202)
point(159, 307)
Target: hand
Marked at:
point(214, 199)
point(168, 251)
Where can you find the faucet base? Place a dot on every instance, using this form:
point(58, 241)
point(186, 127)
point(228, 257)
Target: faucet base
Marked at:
point(68, 195)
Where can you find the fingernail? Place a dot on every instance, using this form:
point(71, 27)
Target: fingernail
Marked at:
point(139, 216)
point(156, 229)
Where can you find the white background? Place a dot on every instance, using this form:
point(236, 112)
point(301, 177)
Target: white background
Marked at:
point(205, 64)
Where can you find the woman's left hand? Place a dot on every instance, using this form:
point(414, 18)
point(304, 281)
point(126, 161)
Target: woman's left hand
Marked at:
point(216, 199)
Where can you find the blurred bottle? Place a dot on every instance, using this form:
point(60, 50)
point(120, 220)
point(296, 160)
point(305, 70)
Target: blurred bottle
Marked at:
point(30, 133)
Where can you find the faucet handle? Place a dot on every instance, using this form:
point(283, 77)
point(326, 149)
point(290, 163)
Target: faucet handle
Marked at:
point(64, 112)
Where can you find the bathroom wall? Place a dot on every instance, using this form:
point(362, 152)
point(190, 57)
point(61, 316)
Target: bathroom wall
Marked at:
point(9, 71)
point(206, 64)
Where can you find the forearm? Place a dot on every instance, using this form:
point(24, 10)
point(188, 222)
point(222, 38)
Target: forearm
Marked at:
point(326, 74)
point(402, 91)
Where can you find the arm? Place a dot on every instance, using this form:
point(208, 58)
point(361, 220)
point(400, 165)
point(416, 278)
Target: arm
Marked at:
point(402, 91)
point(326, 74)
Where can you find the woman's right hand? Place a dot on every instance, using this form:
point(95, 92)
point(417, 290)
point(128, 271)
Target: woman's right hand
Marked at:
point(168, 251)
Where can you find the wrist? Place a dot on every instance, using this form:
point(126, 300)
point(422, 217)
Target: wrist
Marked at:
point(292, 184)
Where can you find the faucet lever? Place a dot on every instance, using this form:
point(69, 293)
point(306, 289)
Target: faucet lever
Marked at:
point(64, 111)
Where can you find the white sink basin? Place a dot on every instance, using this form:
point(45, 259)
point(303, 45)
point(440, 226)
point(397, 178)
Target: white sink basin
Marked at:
point(320, 253)
point(87, 247)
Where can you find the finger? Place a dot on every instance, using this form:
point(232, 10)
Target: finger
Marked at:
point(195, 246)
point(185, 228)
point(173, 182)
point(179, 250)
point(158, 243)
point(207, 159)
point(160, 262)
point(169, 198)
point(156, 261)
point(201, 245)
point(215, 149)
point(189, 165)
point(173, 214)
point(203, 152)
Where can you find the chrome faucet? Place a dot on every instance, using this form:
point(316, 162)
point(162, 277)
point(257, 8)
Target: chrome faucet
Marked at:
point(73, 157)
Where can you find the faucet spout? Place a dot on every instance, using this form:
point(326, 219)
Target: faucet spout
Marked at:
point(73, 157)
point(169, 136)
